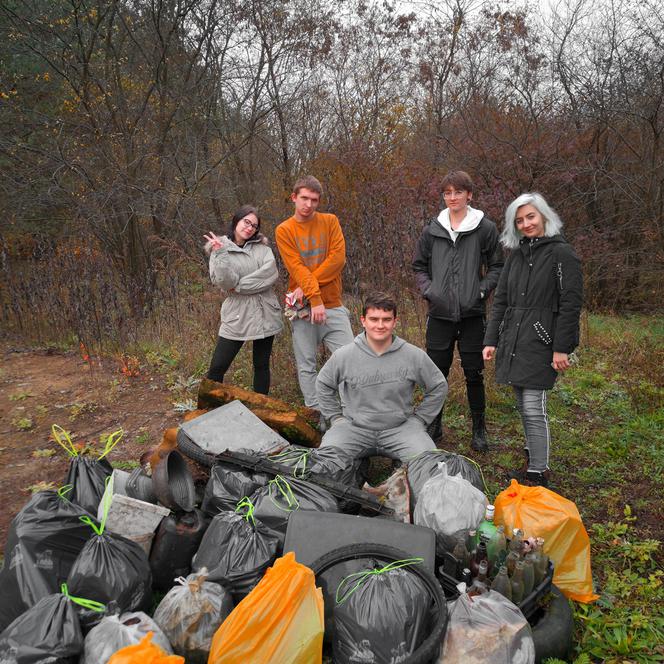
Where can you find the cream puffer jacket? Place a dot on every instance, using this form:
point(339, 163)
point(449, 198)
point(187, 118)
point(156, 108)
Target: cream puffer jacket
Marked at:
point(251, 309)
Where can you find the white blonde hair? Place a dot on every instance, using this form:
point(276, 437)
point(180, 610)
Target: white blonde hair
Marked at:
point(511, 236)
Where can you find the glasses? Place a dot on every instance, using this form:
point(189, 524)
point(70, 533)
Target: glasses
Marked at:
point(249, 224)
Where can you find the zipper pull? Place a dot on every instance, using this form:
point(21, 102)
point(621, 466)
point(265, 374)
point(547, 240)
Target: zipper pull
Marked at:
point(560, 275)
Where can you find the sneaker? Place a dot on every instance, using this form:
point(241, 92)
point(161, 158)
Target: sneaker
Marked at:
point(537, 478)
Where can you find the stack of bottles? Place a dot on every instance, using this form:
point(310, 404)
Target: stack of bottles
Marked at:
point(488, 559)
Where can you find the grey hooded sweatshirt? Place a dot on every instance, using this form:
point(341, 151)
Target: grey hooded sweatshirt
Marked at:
point(376, 391)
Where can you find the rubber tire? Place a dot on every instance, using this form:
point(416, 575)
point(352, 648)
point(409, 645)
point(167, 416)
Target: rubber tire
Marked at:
point(193, 451)
point(430, 647)
point(554, 631)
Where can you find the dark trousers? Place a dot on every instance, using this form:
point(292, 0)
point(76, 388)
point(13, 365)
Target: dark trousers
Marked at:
point(225, 353)
point(468, 335)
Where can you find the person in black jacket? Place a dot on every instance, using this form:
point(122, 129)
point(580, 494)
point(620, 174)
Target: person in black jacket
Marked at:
point(457, 264)
point(534, 323)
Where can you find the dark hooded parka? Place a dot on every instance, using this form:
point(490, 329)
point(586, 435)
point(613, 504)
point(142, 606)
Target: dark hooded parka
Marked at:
point(535, 312)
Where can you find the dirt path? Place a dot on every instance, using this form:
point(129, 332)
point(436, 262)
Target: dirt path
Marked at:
point(40, 388)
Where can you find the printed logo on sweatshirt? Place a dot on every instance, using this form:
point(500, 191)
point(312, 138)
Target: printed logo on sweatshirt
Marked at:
point(378, 377)
point(312, 249)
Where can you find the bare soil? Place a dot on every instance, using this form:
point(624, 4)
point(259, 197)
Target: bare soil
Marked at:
point(88, 399)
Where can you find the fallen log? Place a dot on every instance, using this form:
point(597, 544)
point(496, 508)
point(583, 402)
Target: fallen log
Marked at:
point(297, 424)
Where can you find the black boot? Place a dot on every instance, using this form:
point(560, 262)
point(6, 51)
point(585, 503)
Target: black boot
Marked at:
point(435, 429)
point(479, 442)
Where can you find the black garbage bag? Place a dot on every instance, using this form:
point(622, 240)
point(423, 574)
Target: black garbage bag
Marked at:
point(44, 540)
point(48, 632)
point(227, 486)
point(340, 466)
point(295, 457)
point(236, 551)
point(275, 502)
point(382, 614)
point(425, 465)
point(191, 613)
point(111, 569)
point(87, 475)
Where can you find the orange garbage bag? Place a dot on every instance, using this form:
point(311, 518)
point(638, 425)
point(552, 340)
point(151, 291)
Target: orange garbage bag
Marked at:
point(279, 622)
point(144, 652)
point(540, 512)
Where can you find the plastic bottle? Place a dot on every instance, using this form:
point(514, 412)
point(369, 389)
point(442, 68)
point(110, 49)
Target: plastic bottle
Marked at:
point(517, 583)
point(528, 575)
point(502, 583)
point(487, 529)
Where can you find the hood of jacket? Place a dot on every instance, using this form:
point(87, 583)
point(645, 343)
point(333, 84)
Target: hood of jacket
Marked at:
point(259, 238)
point(469, 223)
point(361, 341)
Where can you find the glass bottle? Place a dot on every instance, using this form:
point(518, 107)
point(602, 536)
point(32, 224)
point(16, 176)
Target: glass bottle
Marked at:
point(544, 559)
point(517, 582)
point(460, 552)
point(471, 541)
point(515, 542)
point(511, 561)
point(479, 555)
point(467, 577)
point(502, 583)
point(528, 575)
point(498, 541)
point(482, 572)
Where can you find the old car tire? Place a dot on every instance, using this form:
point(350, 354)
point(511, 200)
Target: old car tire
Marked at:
point(554, 630)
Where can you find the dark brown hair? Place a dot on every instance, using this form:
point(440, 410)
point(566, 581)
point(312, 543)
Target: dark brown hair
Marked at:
point(379, 301)
point(458, 180)
point(239, 215)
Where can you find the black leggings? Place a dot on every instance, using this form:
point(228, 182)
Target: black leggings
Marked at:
point(468, 334)
point(225, 353)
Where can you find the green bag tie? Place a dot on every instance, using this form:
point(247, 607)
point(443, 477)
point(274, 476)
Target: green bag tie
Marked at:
point(300, 467)
point(85, 603)
point(246, 502)
point(284, 488)
point(108, 497)
point(112, 440)
point(64, 490)
point(59, 434)
point(364, 575)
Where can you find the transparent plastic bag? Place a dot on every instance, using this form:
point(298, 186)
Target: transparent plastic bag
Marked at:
point(487, 628)
point(119, 631)
point(191, 613)
point(449, 504)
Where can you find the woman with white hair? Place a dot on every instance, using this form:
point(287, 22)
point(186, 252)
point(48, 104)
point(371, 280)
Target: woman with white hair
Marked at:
point(534, 322)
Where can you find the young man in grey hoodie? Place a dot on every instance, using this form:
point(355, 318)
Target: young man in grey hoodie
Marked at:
point(457, 264)
point(365, 390)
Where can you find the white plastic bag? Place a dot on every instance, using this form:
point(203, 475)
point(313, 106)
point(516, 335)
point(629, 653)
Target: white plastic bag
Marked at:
point(116, 632)
point(449, 504)
point(190, 614)
point(487, 628)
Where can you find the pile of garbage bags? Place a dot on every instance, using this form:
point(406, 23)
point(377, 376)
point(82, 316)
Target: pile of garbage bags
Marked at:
point(207, 579)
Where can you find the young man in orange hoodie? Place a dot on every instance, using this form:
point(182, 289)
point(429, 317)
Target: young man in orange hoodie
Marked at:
point(313, 249)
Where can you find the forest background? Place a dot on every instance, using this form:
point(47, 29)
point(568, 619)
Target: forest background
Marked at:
point(129, 128)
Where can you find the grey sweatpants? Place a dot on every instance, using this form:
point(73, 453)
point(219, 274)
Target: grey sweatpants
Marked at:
point(403, 442)
point(532, 408)
point(336, 333)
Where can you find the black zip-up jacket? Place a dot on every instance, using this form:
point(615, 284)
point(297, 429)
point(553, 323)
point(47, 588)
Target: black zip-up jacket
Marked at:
point(536, 311)
point(456, 277)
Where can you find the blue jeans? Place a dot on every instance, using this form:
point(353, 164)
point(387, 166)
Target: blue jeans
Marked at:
point(532, 408)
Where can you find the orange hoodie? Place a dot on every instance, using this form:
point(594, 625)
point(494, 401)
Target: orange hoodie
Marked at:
point(314, 253)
